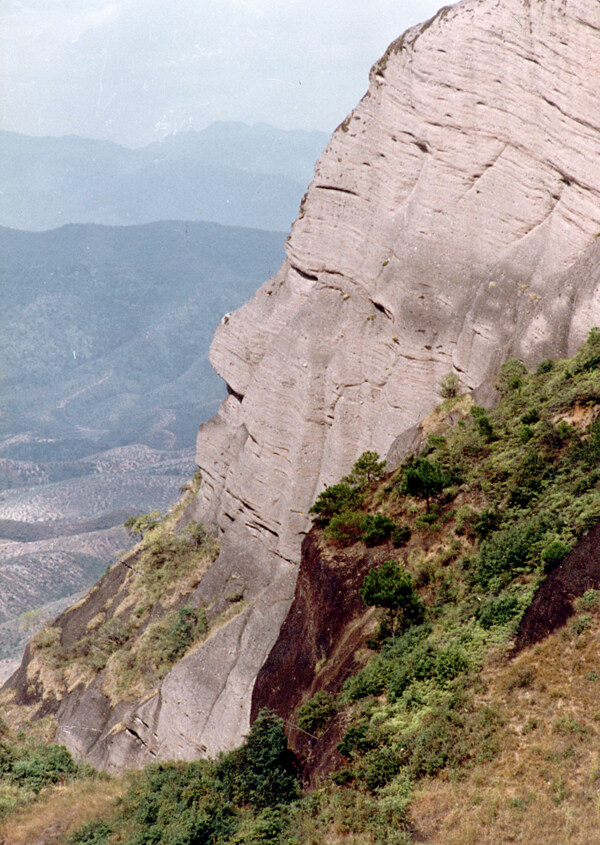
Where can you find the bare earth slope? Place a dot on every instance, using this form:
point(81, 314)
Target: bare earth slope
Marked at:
point(453, 222)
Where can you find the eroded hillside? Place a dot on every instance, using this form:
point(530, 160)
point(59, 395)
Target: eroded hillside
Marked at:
point(453, 699)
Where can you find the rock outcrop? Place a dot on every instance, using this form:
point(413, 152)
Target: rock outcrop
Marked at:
point(452, 222)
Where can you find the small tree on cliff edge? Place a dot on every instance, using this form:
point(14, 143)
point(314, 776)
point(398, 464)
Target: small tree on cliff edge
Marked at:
point(367, 468)
point(391, 586)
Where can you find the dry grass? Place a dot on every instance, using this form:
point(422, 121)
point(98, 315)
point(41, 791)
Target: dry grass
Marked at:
point(62, 810)
point(544, 786)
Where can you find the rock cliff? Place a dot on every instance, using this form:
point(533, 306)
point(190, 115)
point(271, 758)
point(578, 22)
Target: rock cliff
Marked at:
point(452, 222)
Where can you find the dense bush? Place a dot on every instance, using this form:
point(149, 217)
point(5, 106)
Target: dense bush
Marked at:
point(334, 500)
point(498, 611)
point(316, 712)
point(169, 638)
point(425, 479)
point(400, 535)
point(346, 527)
point(368, 468)
point(507, 552)
point(391, 586)
point(36, 765)
point(205, 803)
point(377, 528)
point(553, 554)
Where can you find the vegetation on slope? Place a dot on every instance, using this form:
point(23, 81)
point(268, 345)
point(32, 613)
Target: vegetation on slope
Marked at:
point(445, 735)
point(134, 636)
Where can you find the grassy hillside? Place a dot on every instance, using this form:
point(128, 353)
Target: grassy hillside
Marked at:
point(475, 715)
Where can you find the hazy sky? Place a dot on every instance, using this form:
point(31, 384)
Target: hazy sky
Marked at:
point(135, 70)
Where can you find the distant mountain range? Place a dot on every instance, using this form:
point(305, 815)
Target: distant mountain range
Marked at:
point(229, 173)
point(105, 380)
point(106, 331)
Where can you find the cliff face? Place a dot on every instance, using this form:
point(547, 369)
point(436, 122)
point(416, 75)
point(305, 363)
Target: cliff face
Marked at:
point(452, 222)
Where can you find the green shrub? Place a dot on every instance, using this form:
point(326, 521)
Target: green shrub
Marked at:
point(488, 521)
point(450, 663)
point(590, 600)
point(377, 528)
point(371, 680)
point(378, 767)
point(335, 499)
point(92, 833)
point(33, 766)
point(261, 773)
point(507, 552)
point(346, 527)
point(425, 479)
point(171, 636)
point(391, 586)
point(525, 434)
point(511, 376)
point(400, 535)
point(554, 554)
point(498, 611)
point(545, 366)
point(449, 385)
point(368, 468)
point(359, 738)
point(138, 526)
point(316, 712)
point(483, 423)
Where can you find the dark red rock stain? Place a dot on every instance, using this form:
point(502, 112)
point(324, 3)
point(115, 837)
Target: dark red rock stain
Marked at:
point(552, 604)
point(321, 643)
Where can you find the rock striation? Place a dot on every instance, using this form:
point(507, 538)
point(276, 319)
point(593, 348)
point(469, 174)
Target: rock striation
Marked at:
point(452, 222)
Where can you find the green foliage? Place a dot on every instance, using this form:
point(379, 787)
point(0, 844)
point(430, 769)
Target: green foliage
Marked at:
point(377, 528)
point(138, 526)
point(171, 636)
point(590, 600)
point(368, 468)
point(37, 765)
point(508, 552)
point(400, 535)
point(334, 500)
point(350, 526)
point(498, 610)
point(511, 376)
point(92, 833)
point(488, 521)
point(450, 736)
point(261, 773)
point(236, 799)
point(28, 766)
point(545, 366)
point(482, 421)
point(371, 680)
point(316, 712)
point(346, 496)
point(346, 527)
point(553, 554)
point(425, 479)
point(391, 586)
point(449, 386)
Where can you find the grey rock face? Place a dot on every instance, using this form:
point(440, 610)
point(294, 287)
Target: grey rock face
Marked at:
point(453, 222)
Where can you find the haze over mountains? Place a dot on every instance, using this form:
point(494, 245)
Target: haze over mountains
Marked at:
point(229, 173)
point(106, 329)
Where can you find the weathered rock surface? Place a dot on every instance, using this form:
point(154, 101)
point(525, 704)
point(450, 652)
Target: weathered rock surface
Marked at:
point(453, 222)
